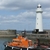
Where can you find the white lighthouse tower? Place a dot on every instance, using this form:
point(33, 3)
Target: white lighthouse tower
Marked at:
point(39, 26)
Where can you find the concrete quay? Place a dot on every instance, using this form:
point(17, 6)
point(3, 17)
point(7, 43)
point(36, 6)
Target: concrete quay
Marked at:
point(37, 35)
point(7, 33)
point(7, 36)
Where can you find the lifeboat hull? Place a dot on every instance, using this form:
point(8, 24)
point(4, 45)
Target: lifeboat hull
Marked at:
point(11, 48)
point(17, 48)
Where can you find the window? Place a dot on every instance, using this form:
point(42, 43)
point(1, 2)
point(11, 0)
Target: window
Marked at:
point(37, 18)
point(37, 23)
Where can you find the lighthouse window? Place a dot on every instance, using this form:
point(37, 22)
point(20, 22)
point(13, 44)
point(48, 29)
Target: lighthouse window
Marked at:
point(38, 6)
point(37, 18)
point(37, 23)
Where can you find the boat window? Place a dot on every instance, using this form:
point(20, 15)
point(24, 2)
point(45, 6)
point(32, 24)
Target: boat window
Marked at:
point(16, 41)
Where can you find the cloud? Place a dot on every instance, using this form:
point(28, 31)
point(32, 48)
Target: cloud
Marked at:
point(8, 21)
point(47, 9)
point(22, 4)
point(46, 14)
point(28, 5)
point(20, 18)
point(27, 16)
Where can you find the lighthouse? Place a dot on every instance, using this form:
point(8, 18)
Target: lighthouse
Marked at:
point(39, 26)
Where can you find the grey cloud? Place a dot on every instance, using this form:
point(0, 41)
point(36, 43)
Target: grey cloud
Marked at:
point(23, 4)
point(28, 16)
point(17, 18)
point(24, 16)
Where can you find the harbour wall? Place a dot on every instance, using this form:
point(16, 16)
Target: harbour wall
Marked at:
point(43, 37)
point(7, 33)
point(13, 33)
point(39, 35)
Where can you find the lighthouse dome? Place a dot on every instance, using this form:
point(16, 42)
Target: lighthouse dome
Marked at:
point(39, 6)
point(39, 9)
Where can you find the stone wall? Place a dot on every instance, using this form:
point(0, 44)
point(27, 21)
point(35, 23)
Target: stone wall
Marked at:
point(7, 32)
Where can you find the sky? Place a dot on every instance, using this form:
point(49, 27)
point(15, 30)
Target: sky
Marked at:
point(21, 14)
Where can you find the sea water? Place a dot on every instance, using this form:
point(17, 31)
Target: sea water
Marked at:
point(2, 40)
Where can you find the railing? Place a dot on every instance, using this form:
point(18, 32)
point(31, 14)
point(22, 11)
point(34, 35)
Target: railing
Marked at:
point(43, 36)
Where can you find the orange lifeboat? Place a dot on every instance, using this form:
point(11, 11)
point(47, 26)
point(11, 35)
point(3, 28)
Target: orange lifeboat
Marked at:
point(20, 43)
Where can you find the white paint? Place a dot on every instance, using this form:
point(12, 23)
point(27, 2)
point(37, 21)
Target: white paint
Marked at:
point(27, 48)
point(31, 47)
point(6, 45)
point(48, 49)
point(12, 47)
point(21, 49)
point(39, 18)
